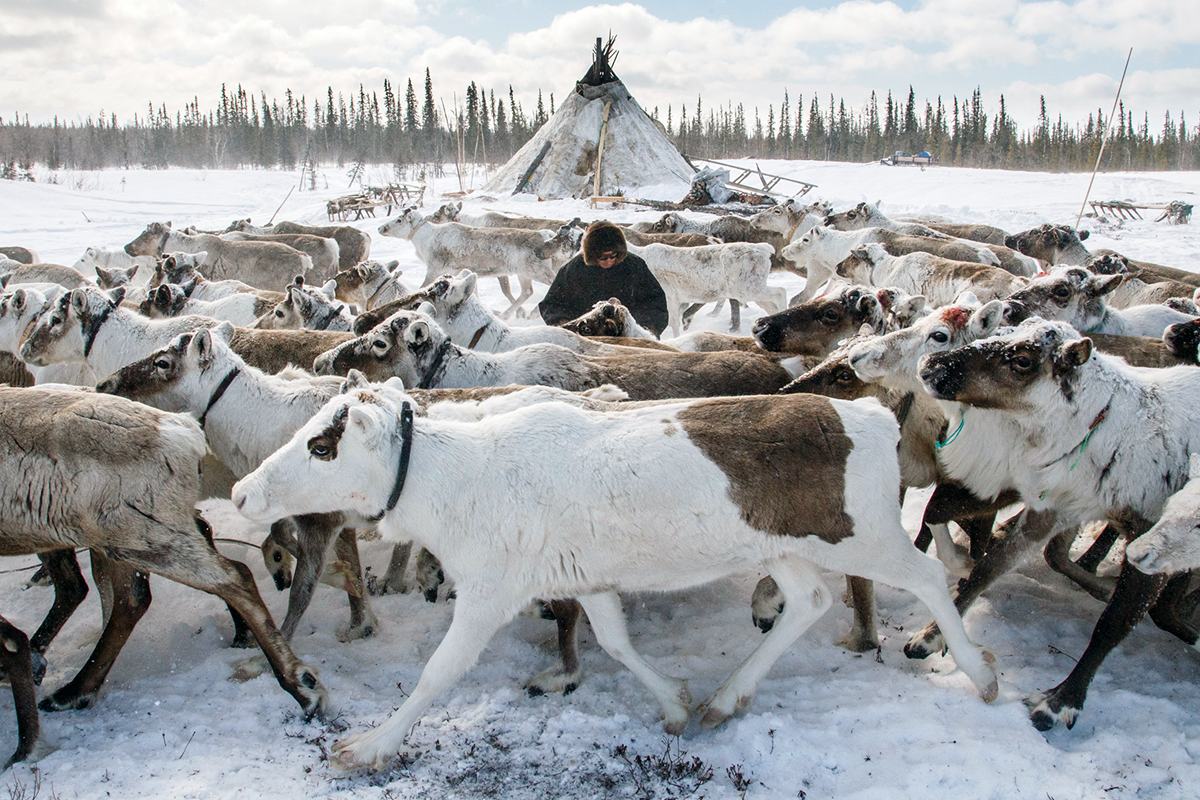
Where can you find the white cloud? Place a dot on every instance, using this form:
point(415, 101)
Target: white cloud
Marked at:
point(73, 58)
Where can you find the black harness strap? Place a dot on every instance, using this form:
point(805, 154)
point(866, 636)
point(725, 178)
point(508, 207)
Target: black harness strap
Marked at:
point(438, 358)
point(218, 393)
point(906, 404)
point(329, 317)
point(406, 436)
point(475, 339)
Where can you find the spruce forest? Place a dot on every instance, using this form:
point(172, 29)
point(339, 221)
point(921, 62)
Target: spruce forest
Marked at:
point(403, 129)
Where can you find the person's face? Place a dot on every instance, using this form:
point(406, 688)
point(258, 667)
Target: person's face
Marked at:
point(606, 259)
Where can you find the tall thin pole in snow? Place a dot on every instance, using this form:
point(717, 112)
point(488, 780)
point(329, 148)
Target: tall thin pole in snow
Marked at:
point(1104, 138)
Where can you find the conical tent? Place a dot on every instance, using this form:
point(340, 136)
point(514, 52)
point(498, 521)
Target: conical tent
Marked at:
point(561, 158)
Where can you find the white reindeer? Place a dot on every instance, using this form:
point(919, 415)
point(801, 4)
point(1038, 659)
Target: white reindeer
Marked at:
point(347, 457)
point(939, 279)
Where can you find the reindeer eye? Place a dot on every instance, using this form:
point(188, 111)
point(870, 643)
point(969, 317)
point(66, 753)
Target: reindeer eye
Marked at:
point(321, 451)
point(162, 364)
point(831, 315)
point(279, 313)
point(278, 557)
point(846, 376)
point(1022, 363)
point(380, 344)
point(939, 336)
point(1061, 291)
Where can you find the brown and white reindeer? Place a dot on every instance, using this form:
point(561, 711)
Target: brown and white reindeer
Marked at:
point(684, 500)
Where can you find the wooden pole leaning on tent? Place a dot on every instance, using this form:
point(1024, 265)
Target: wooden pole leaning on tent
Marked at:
point(599, 158)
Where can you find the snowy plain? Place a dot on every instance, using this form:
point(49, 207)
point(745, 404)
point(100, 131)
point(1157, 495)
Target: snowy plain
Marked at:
point(825, 723)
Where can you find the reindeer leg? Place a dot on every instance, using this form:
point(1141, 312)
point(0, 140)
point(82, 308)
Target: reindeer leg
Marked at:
point(363, 623)
point(716, 309)
point(735, 315)
point(1135, 592)
point(608, 623)
point(429, 575)
point(688, 313)
point(506, 288)
point(395, 580)
point(1058, 555)
point(1168, 612)
point(14, 658)
point(315, 532)
point(131, 599)
point(565, 675)
point(863, 636)
point(1025, 531)
point(476, 620)
point(70, 589)
point(807, 598)
point(1091, 559)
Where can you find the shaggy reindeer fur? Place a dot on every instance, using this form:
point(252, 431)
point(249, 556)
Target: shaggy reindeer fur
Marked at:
point(938, 279)
point(184, 268)
point(716, 518)
point(115, 268)
point(354, 245)
point(411, 346)
point(711, 273)
point(1083, 437)
point(1054, 244)
point(489, 252)
point(323, 252)
point(260, 264)
point(820, 250)
point(121, 479)
point(67, 277)
point(1173, 544)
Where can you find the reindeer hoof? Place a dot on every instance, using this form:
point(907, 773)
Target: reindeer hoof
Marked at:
point(925, 643)
point(858, 642)
point(37, 662)
point(554, 679)
point(311, 694)
point(1044, 715)
point(67, 701)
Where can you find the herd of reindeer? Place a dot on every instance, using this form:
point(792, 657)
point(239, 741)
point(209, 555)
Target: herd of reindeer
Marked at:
point(554, 467)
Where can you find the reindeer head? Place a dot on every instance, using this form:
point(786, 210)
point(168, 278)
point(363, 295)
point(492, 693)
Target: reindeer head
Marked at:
point(151, 241)
point(814, 327)
point(405, 345)
point(1035, 368)
point(178, 268)
point(1054, 244)
point(180, 377)
point(1067, 294)
point(343, 459)
point(447, 213)
point(67, 330)
point(19, 311)
point(402, 227)
point(607, 318)
point(893, 359)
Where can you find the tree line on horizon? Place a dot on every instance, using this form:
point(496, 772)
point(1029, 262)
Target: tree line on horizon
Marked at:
point(408, 132)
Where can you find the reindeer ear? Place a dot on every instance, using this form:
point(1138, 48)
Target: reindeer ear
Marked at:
point(395, 383)
point(161, 297)
point(329, 288)
point(1083, 235)
point(18, 300)
point(427, 308)
point(224, 332)
point(360, 417)
point(103, 275)
point(78, 300)
point(984, 320)
point(417, 333)
point(470, 282)
point(201, 347)
point(866, 330)
point(355, 380)
point(203, 254)
point(1076, 352)
point(1099, 285)
point(117, 295)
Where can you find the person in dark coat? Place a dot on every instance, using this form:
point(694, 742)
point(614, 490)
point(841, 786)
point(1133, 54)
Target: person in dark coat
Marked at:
point(605, 268)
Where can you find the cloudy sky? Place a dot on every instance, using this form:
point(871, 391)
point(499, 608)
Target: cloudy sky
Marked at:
point(75, 58)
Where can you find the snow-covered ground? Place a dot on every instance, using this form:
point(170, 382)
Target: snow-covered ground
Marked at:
point(825, 723)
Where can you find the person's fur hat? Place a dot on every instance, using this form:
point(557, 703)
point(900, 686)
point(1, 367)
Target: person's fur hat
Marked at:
point(602, 237)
